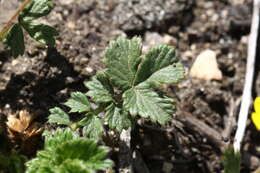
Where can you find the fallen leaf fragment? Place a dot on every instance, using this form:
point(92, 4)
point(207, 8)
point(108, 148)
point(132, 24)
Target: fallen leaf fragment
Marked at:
point(205, 66)
point(22, 127)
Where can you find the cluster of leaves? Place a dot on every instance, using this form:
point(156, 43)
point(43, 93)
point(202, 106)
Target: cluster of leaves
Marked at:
point(125, 89)
point(26, 21)
point(64, 151)
point(231, 161)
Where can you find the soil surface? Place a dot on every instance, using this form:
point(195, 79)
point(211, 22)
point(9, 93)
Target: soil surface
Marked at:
point(193, 141)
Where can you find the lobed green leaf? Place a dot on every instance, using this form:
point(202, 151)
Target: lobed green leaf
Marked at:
point(160, 67)
point(39, 165)
point(15, 40)
point(54, 138)
point(148, 104)
point(37, 9)
point(117, 118)
point(66, 152)
point(58, 116)
point(74, 166)
point(92, 126)
point(78, 102)
point(171, 74)
point(100, 89)
point(122, 58)
point(40, 32)
point(84, 150)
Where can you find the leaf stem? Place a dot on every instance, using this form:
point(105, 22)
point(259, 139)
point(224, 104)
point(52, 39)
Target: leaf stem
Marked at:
point(99, 109)
point(10, 23)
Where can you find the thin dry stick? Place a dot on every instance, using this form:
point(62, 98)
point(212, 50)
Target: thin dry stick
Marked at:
point(230, 122)
point(250, 68)
point(10, 23)
point(211, 134)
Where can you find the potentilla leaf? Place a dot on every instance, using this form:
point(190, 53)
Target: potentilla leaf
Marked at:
point(65, 152)
point(78, 102)
point(15, 40)
point(33, 168)
point(122, 58)
point(117, 118)
point(161, 56)
point(100, 89)
point(40, 32)
point(55, 138)
point(45, 160)
point(74, 166)
point(171, 74)
point(38, 8)
point(92, 126)
point(148, 104)
point(85, 150)
point(160, 65)
point(58, 116)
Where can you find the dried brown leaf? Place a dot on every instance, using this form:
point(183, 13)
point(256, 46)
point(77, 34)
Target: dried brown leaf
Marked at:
point(22, 127)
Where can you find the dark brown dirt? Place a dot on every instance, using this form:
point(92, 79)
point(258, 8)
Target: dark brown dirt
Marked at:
point(44, 77)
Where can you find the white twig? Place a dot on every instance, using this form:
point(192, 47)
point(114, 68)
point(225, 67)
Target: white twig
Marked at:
point(125, 152)
point(250, 68)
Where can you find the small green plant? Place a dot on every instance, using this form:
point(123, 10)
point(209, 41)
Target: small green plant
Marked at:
point(30, 10)
point(64, 151)
point(125, 90)
point(231, 161)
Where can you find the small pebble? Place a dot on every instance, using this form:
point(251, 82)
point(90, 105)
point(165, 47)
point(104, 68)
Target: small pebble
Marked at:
point(205, 66)
point(167, 167)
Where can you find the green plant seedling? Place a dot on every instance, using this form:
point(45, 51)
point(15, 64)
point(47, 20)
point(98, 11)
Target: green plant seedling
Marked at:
point(125, 90)
point(64, 151)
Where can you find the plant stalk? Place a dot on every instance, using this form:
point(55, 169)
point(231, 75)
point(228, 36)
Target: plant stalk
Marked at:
point(11, 22)
point(250, 68)
point(125, 152)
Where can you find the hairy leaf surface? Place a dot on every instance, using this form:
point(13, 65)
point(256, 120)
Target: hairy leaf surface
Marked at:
point(55, 138)
point(58, 116)
point(148, 104)
point(160, 67)
point(65, 152)
point(78, 102)
point(75, 166)
point(122, 58)
point(171, 74)
point(85, 150)
point(117, 118)
point(100, 89)
point(92, 126)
